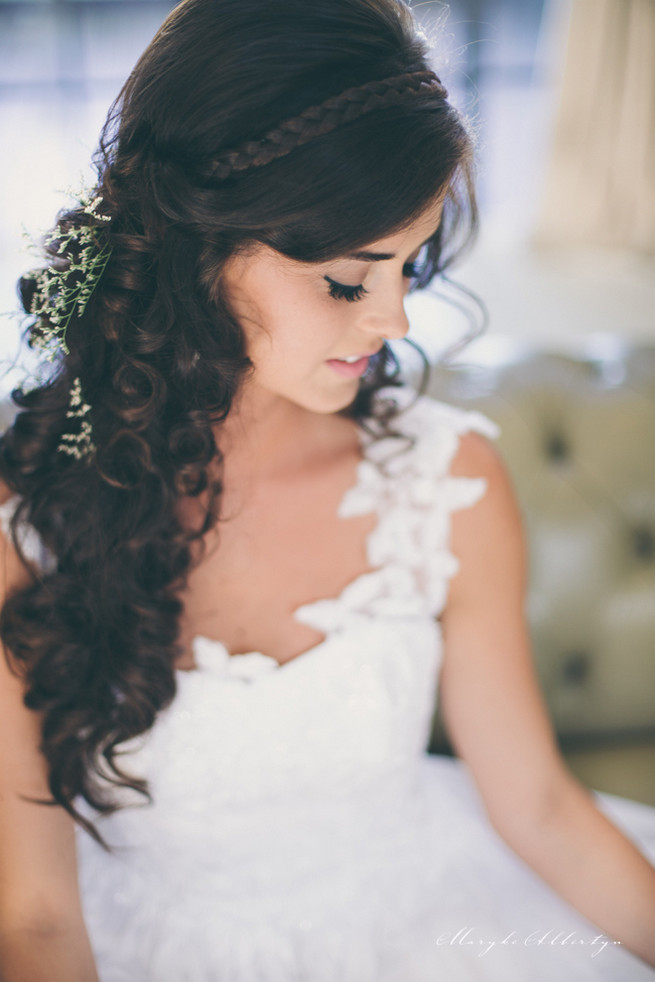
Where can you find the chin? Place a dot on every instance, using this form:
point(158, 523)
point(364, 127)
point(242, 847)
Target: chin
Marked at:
point(333, 402)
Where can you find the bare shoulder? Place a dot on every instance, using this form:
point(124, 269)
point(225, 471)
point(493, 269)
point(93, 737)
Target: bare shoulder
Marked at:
point(488, 537)
point(478, 456)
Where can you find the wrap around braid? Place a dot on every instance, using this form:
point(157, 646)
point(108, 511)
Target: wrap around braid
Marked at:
point(325, 117)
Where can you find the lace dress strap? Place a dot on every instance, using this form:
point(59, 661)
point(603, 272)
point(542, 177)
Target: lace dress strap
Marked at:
point(408, 483)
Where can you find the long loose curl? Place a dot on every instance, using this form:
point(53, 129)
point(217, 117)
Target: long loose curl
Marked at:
point(160, 356)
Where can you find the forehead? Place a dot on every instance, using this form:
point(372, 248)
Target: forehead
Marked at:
point(415, 232)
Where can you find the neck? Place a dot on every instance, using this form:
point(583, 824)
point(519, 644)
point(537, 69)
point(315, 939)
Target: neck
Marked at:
point(267, 437)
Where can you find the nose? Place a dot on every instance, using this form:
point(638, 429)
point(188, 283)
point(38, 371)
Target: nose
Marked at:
point(388, 319)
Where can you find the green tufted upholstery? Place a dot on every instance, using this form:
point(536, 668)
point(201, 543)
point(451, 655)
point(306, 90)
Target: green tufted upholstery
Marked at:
point(578, 437)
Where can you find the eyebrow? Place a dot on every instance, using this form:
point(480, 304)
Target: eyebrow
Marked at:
point(377, 257)
point(371, 257)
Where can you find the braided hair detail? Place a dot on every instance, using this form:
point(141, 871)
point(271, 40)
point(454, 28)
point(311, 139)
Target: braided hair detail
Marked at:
point(323, 118)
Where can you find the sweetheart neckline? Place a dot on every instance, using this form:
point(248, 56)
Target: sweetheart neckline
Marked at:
point(364, 441)
point(244, 658)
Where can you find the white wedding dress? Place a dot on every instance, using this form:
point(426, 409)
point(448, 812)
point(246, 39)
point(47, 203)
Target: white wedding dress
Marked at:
point(299, 831)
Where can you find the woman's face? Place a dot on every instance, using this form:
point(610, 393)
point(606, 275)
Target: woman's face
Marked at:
point(311, 327)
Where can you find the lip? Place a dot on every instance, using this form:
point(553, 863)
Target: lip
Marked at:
point(353, 369)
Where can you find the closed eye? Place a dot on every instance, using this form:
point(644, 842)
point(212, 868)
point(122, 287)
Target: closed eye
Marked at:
point(341, 291)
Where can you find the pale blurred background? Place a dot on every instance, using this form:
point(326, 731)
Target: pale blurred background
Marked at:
point(563, 95)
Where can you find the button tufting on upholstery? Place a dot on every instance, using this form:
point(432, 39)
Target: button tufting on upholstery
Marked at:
point(557, 447)
point(575, 667)
point(643, 540)
point(577, 436)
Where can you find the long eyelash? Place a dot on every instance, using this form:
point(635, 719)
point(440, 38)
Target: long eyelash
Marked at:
point(351, 293)
point(342, 292)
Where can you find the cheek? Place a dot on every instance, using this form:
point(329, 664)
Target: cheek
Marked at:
point(298, 332)
point(277, 342)
point(289, 326)
point(267, 326)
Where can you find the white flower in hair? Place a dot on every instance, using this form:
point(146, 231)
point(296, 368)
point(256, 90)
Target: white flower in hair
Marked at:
point(64, 293)
point(78, 444)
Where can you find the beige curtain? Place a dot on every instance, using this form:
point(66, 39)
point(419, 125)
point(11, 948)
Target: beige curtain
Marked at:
point(600, 178)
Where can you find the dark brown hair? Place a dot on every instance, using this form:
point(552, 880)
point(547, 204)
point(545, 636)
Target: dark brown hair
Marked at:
point(158, 352)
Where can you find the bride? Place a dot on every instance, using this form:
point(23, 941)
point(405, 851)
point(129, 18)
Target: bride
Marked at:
point(241, 558)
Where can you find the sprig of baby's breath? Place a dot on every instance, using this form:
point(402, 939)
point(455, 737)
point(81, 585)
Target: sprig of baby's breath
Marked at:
point(61, 294)
point(78, 444)
point(64, 293)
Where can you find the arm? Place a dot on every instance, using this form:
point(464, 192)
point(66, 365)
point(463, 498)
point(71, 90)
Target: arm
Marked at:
point(497, 722)
point(42, 932)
